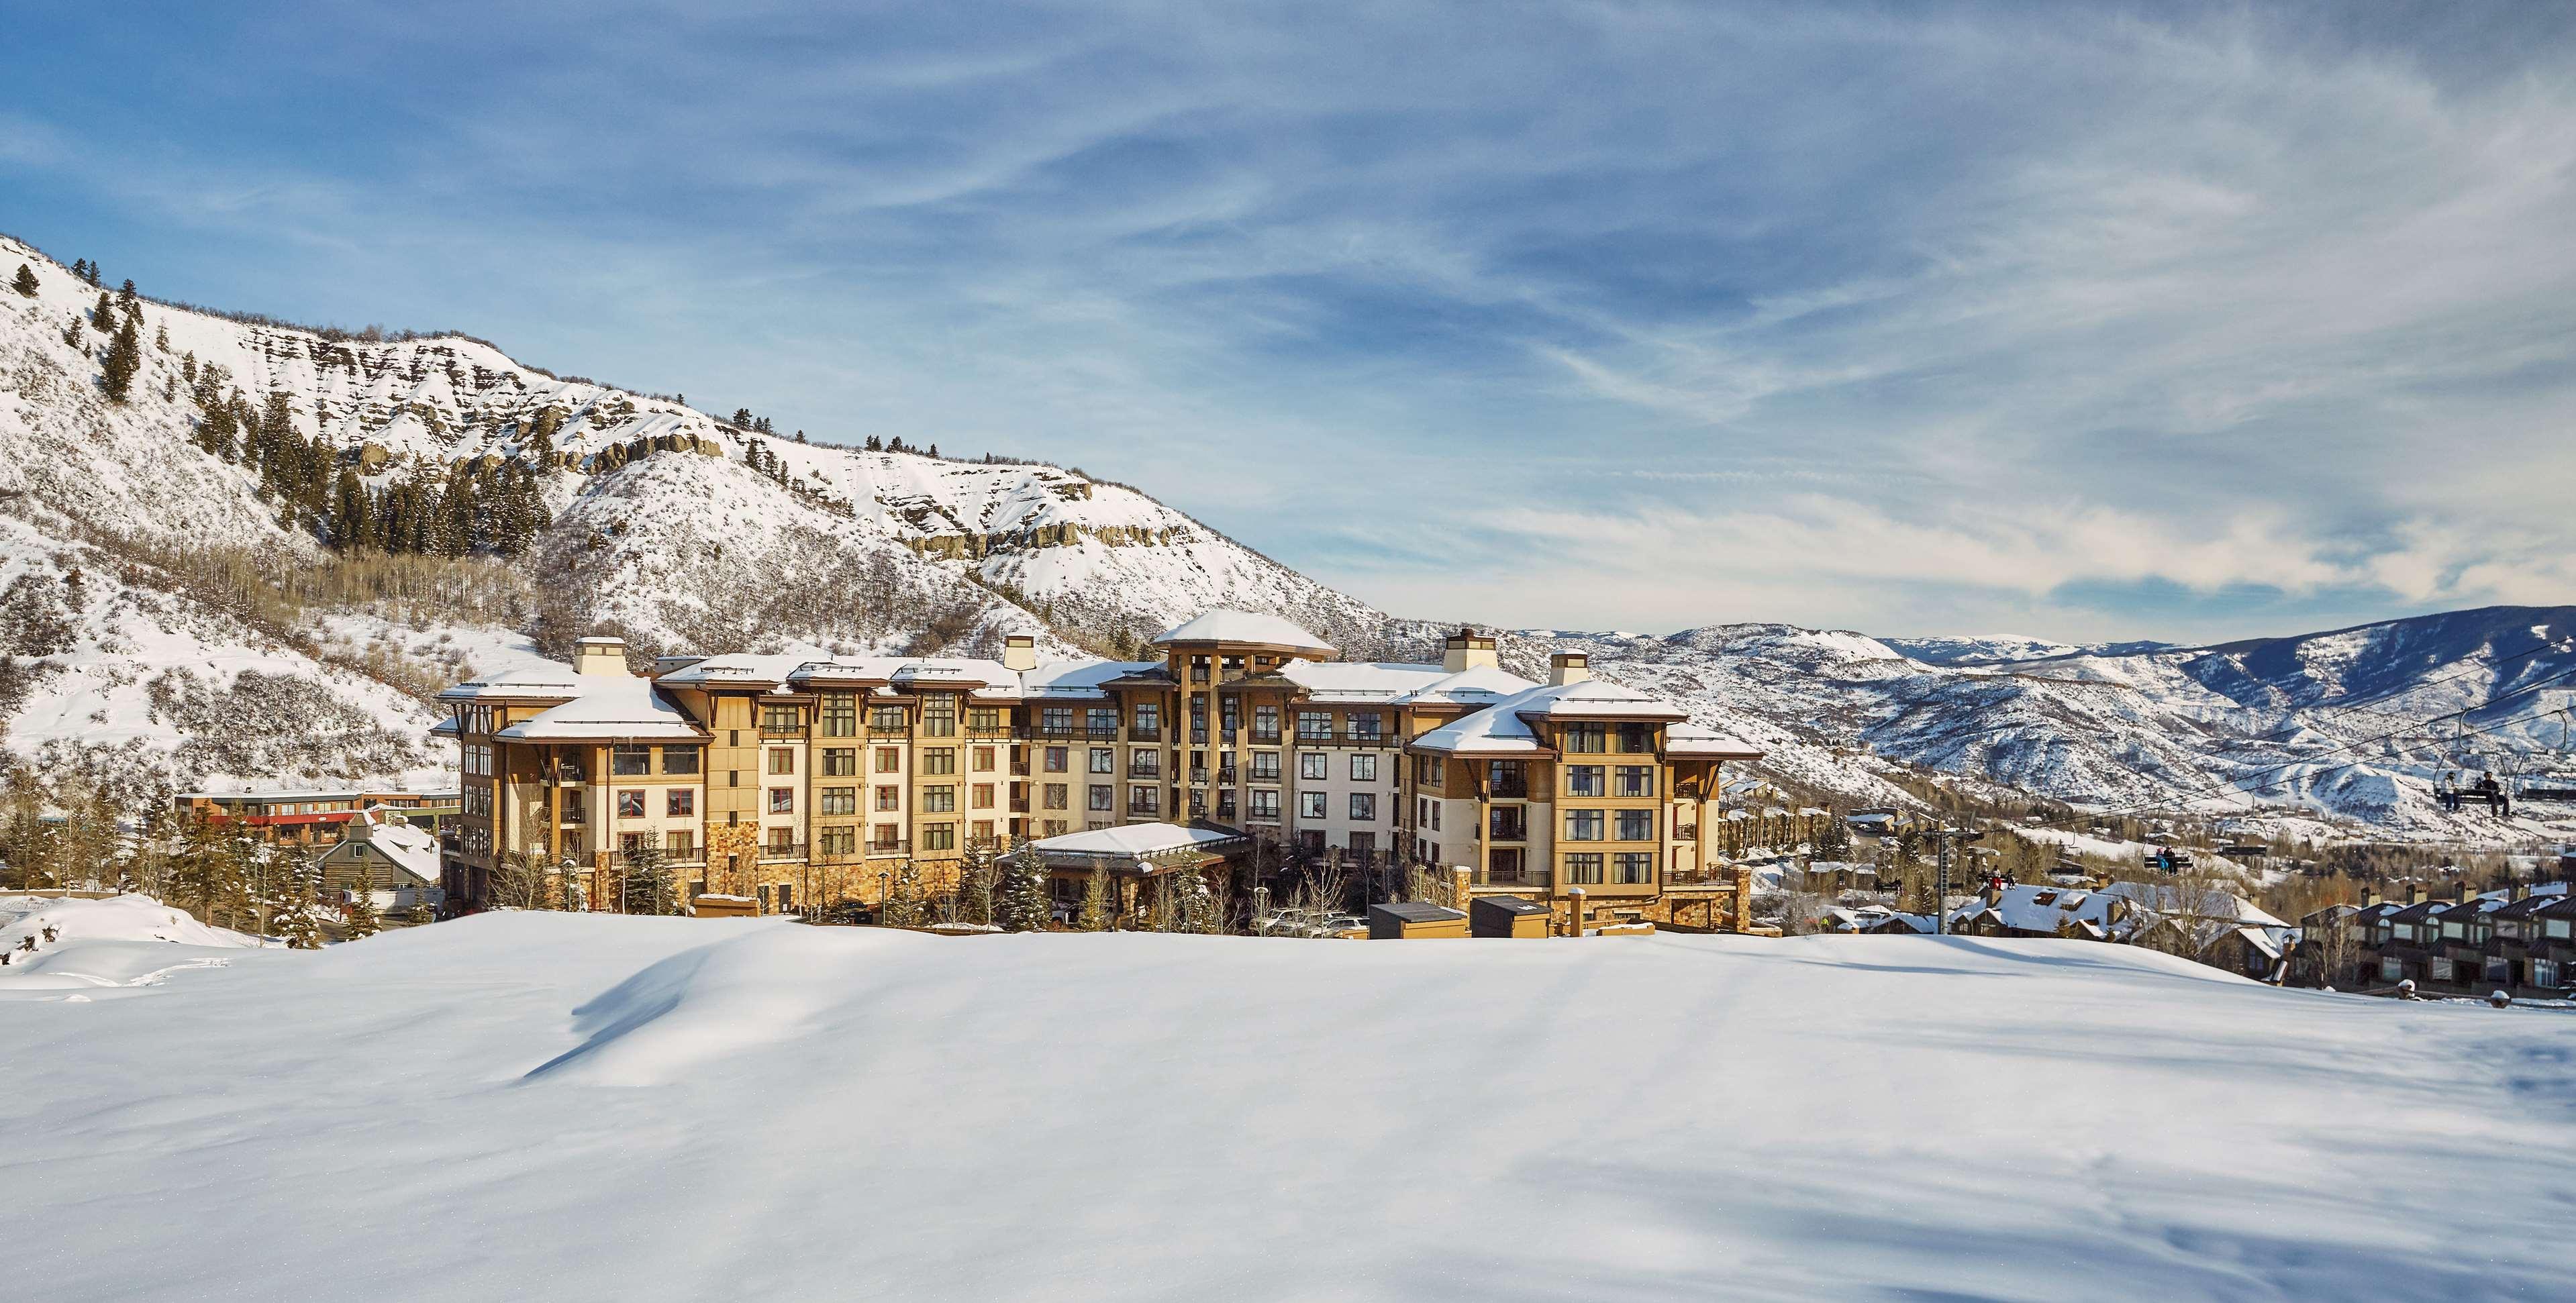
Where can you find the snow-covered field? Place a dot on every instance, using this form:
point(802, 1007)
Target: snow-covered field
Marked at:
point(600, 1107)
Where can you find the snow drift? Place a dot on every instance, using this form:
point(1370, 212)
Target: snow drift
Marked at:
point(661, 1107)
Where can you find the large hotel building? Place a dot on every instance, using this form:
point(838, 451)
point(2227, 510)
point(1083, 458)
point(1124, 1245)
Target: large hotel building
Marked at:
point(803, 780)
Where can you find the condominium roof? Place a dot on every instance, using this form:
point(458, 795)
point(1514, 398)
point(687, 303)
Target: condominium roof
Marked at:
point(520, 681)
point(1223, 625)
point(1139, 848)
point(1508, 726)
point(412, 849)
point(1361, 681)
point(1079, 679)
point(611, 708)
point(1693, 740)
point(738, 670)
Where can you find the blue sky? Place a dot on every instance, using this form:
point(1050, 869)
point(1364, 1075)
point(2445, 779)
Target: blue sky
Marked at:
point(2184, 322)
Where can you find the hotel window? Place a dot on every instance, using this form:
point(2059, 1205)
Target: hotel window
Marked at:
point(1505, 823)
point(1052, 828)
point(983, 760)
point(1363, 806)
point(983, 830)
point(1636, 825)
point(625, 761)
point(983, 796)
point(1104, 797)
point(885, 719)
point(1364, 723)
point(1633, 780)
point(2392, 970)
point(843, 840)
point(2556, 927)
point(1363, 767)
point(1314, 765)
point(939, 760)
point(1265, 803)
point(1583, 867)
point(1104, 760)
point(1310, 805)
point(840, 800)
point(889, 760)
point(939, 714)
point(680, 760)
point(840, 762)
point(630, 804)
point(782, 760)
point(1056, 720)
point(2544, 972)
point(840, 714)
point(1586, 739)
point(1145, 762)
point(889, 799)
point(1149, 721)
point(1102, 721)
point(941, 799)
point(781, 840)
point(1058, 797)
point(1314, 725)
point(1632, 869)
point(1583, 780)
point(1058, 759)
point(680, 803)
point(1143, 800)
point(1364, 845)
point(1583, 825)
point(881, 837)
point(1431, 772)
point(1265, 723)
point(1265, 766)
point(631, 843)
point(1637, 739)
point(782, 800)
point(984, 721)
point(2438, 969)
point(778, 719)
point(680, 842)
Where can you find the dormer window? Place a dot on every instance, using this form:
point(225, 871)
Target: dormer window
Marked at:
point(1584, 739)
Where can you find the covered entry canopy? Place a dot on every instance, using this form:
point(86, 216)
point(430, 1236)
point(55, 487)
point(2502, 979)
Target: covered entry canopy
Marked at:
point(1141, 849)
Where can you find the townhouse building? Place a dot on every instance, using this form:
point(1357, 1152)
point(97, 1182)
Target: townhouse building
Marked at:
point(803, 778)
point(2520, 941)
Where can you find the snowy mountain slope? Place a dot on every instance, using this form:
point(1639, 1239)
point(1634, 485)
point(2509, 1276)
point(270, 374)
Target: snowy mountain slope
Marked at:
point(2275, 717)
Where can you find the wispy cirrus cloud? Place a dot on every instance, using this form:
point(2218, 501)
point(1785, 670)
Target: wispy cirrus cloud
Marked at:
point(2174, 322)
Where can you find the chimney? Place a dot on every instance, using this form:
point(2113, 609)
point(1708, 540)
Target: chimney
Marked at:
point(1467, 650)
point(600, 656)
point(1568, 667)
point(2415, 894)
point(1019, 653)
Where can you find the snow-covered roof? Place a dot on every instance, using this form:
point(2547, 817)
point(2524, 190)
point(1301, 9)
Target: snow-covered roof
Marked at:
point(2025, 907)
point(412, 849)
point(611, 707)
point(982, 678)
point(1362, 681)
point(1476, 685)
point(546, 679)
point(1134, 840)
point(1504, 728)
point(738, 670)
point(1689, 739)
point(1079, 679)
point(2173, 898)
point(1222, 625)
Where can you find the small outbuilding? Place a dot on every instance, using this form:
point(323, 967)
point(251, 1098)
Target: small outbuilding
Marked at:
point(1412, 920)
point(1507, 916)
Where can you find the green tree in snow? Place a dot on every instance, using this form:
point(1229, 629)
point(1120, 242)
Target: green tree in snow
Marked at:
point(1023, 904)
point(26, 282)
point(124, 358)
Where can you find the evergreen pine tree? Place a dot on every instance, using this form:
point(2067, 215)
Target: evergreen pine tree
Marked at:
point(364, 921)
point(80, 269)
point(72, 334)
point(124, 358)
point(976, 885)
point(92, 276)
point(349, 509)
point(127, 299)
point(645, 884)
point(800, 436)
point(161, 337)
point(741, 418)
point(103, 317)
point(934, 450)
point(26, 281)
point(875, 444)
point(903, 905)
point(1023, 905)
point(1098, 910)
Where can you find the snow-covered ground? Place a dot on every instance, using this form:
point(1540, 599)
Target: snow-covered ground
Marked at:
point(605, 1107)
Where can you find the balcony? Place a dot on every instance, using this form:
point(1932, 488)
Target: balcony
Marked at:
point(1688, 832)
point(1019, 805)
point(570, 776)
point(1135, 811)
point(989, 730)
point(877, 850)
point(790, 851)
point(1070, 732)
point(1145, 733)
point(1517, 878)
